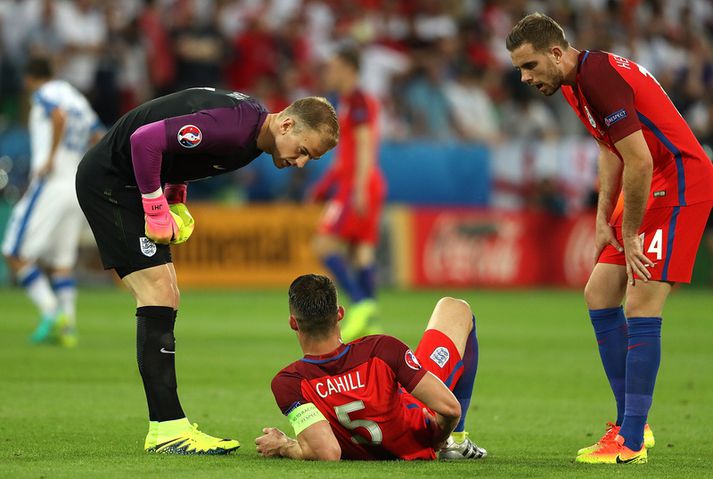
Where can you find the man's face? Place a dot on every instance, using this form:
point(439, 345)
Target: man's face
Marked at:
point(335, 72)
point(537, 68)
point(296, 147)
point(32, 83)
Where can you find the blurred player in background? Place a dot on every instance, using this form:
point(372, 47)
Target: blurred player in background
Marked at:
point(349, 230)
point(45, 224)
point(646, 241)
point(132, 189)
point(373, 398)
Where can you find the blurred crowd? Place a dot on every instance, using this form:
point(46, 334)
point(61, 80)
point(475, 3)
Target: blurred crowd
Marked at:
point(439, 66)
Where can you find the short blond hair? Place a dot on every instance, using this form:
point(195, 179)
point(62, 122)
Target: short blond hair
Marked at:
point(537, 29)
point(316, 113)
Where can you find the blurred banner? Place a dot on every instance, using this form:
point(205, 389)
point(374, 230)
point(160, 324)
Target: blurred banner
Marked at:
point(254, 246)
point(488, 248)
point(417, 172)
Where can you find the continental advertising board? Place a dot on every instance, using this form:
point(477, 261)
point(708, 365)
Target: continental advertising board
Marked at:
point(252, 246)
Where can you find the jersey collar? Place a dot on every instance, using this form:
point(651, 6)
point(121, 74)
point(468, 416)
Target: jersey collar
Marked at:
point(581, 59)
point(324, 358)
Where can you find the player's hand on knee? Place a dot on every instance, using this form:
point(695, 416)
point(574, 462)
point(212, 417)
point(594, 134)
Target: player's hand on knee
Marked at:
point(605, 235)
point(637, 263)
point(188, 223)
point(162, 225)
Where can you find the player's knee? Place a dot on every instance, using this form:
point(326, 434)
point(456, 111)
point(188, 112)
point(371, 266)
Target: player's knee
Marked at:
point(592, 296)
point(454, 304)
point(456, 309)
point(160, 292)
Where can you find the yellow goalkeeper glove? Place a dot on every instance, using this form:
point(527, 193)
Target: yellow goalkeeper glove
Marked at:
point(185, 226)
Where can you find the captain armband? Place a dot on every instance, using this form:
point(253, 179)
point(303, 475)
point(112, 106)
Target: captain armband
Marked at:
point(304, 416)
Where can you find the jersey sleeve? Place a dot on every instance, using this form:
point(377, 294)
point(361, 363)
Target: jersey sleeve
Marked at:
point(401, 360)
point(610, 95)
point(48, 98)
point(287, 389)
point(215, 131)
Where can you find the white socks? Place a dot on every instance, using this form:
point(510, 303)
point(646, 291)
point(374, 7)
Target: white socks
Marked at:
point(39, 290)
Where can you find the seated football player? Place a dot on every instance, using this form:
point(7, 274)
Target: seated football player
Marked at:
point(374, 398)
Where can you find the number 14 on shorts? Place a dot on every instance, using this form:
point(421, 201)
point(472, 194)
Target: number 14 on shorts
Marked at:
point(656, 245)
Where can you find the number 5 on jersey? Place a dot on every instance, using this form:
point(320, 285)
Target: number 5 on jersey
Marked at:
point(372, 427)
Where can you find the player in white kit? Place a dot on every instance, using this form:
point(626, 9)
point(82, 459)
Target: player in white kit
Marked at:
point(43, 231)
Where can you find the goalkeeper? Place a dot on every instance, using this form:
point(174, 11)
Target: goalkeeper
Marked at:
point(185, 136)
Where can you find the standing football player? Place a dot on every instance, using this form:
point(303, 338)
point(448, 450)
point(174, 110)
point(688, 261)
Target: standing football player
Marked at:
point(647, 240)
point(374, 398)
point(44, 227)
point(132, 189)
point(349, 230)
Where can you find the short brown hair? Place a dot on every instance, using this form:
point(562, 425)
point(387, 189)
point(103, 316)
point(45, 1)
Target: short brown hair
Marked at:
point(350, 56)
point(317, 114)
point(313, 303)
point(39, 67)
point(538, 30)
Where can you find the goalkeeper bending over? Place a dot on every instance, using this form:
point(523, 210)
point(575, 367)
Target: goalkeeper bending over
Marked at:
point(189, 135)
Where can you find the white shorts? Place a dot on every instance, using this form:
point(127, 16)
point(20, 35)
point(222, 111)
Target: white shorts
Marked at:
point(45, 224)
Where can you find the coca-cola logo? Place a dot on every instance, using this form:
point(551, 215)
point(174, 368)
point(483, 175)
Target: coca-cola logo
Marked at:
point(467, 249)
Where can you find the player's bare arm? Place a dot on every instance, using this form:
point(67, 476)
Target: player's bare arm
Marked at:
point(315, 443)
point(364, 163)
point(59, 122)
point(610, 171)
point(434, 394)
point(638, 169)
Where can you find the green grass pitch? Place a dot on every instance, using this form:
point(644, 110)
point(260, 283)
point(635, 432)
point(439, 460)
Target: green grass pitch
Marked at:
point(540, 393)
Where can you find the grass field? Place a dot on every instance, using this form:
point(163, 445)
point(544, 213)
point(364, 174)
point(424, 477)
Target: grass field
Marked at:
point(540, 393)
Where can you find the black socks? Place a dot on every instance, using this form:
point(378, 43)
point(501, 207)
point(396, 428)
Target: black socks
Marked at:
point(156, 354)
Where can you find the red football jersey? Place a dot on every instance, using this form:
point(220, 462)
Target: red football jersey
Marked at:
point(615, 97)
point(358, 388)
point(355, 110)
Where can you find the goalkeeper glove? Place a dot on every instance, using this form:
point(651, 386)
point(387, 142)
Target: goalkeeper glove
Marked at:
point(162, 225)
point(187, 223)
point(175, 193)
point(176, 196)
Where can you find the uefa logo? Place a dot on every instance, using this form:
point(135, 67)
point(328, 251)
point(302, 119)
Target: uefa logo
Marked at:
point(411, 360)
point(189, 136)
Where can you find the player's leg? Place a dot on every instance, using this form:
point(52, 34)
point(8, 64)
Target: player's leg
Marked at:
point(670, 240)
point(61, 259)
point(37, 287)
point(449, 349)
point(157, 298)
point(332, 251)
point(644, 307)
point(146, 269)
point(361, 318)
point(604, 294)
point(364, 259)
point(25, 239)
